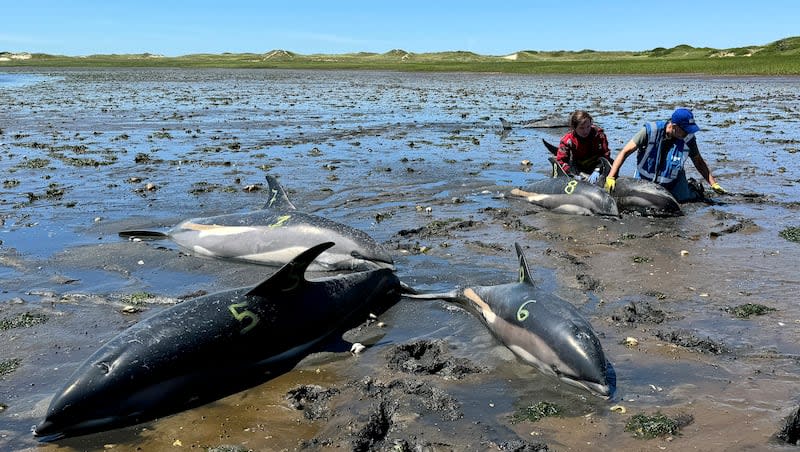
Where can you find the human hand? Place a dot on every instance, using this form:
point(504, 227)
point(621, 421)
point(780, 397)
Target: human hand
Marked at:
point(594, 176)
point(716, 187)
point(611, 183)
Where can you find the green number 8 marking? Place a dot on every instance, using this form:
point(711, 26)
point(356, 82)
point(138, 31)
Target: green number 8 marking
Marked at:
point(245, 314)
point(523, 313)
point(570, 187)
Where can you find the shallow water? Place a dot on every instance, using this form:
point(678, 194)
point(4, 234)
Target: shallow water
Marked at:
point(78, 147)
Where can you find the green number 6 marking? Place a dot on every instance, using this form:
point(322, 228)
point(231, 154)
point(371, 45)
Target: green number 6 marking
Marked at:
point(570, 187)
point(523, 313)
point(244, 314)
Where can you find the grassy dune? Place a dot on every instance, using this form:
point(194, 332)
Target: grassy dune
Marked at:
point(778, 58)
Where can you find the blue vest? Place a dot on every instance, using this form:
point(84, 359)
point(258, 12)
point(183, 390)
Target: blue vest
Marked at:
point(648, 159)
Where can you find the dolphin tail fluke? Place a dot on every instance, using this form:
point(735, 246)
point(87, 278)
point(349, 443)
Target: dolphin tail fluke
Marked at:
point(524, 271)
point(143, 235)
point(292, 274)
point(277, 195)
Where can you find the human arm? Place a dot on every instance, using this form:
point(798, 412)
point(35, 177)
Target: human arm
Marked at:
point(702, 167)
point(563, 155)
point(618, 161)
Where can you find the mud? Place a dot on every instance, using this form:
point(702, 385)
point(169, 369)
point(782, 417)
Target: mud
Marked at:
point(421, 163)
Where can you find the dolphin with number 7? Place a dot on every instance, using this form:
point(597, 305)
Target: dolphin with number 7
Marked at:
point(273, 235)
point(209, 347)
point(543, 330)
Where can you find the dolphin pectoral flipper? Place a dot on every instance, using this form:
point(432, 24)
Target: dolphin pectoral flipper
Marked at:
point(447, 296)
point(143, 235)
point(291, 274)
point(277, 195)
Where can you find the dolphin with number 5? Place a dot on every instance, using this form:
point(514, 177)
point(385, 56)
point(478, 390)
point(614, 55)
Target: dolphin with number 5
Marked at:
point(209, 347)
point(543, 330)
point(273, 235)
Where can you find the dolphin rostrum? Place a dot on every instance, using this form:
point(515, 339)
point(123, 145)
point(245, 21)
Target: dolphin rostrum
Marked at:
point(543, 330)
point(273, 235)
point(209, 347)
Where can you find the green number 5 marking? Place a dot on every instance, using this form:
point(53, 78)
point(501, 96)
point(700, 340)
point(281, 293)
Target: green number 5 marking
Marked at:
point(244, 314)
point(523, 313)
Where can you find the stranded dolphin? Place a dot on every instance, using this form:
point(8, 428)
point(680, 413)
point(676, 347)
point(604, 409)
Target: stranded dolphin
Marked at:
point(543, 330)
point(212, 346)
point(273, 235)
point(571, 196)
point(631, 194)
point(542, 123)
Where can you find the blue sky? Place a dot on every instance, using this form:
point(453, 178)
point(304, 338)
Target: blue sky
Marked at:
point(173, 27)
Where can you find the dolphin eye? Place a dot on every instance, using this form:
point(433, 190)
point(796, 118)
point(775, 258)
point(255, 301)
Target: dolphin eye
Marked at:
point(104, 367)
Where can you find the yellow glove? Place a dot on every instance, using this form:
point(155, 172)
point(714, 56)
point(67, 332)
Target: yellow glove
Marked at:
point(718, 189)
point(611, 183)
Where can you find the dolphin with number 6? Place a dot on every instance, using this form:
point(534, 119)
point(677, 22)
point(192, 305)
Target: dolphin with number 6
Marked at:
point(273, 235)
point(209, 347)
point(543, 330)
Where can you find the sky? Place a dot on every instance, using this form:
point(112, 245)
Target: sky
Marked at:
point(182, 27)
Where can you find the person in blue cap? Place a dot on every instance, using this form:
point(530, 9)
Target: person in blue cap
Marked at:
point(663, 147)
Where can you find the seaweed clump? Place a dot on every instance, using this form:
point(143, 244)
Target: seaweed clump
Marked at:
point(658, 425)
point(24, 320)
point(744, 311)
point(791, 234)
point(536, 412)
point(9, 365)
point(790, 433)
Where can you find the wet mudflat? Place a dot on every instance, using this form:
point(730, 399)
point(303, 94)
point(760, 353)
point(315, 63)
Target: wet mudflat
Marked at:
point(419, 161)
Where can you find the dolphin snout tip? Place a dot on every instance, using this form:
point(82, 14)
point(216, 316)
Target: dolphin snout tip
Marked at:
point(46, 431)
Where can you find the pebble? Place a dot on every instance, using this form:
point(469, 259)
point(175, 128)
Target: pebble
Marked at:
point(630, 342)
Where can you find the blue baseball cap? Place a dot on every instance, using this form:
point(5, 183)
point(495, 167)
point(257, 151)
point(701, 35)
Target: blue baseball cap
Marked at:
point(684, 119)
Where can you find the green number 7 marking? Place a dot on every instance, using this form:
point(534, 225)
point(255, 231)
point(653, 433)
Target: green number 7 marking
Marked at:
point(244, 314)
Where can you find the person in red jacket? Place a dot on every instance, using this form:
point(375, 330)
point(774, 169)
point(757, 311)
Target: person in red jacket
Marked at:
point(583, 152)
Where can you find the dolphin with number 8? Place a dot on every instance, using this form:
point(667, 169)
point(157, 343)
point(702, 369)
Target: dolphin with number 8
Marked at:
point(209, 347)
point(543, 330)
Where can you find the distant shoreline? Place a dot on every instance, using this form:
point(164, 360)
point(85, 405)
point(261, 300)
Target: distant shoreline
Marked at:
point(778, 58)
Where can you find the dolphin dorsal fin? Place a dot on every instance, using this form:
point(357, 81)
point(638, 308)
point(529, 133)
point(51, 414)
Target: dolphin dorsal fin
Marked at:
point(277, 195)
point(290, 275)
point(552, 148)
point(524, 271)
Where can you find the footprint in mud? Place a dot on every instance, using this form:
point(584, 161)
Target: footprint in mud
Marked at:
point(687, 339)
point(429, 358)
point(361, 414)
